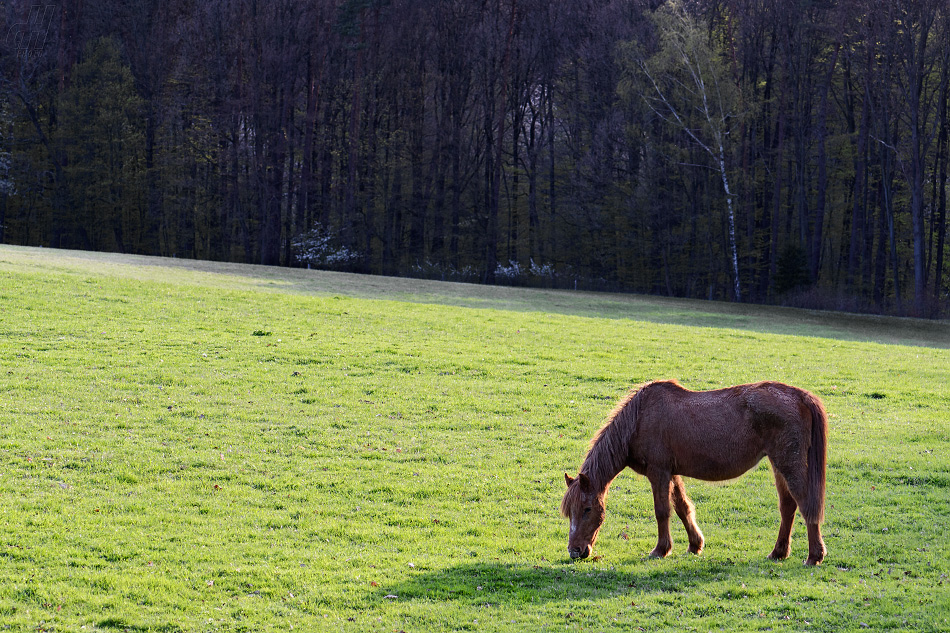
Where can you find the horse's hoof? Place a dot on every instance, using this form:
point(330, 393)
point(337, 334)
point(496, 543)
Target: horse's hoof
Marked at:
point(659, 553)
point(813, 562)
point(778, 555)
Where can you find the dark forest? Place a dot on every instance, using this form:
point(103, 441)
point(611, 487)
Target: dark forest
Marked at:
point(746, 150)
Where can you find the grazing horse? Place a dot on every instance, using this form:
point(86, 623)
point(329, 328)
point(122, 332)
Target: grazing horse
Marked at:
point(666, 432)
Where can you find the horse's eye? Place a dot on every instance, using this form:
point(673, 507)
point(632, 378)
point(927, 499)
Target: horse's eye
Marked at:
point(586, 510)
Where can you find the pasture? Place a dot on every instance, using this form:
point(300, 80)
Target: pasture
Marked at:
point(190, 446)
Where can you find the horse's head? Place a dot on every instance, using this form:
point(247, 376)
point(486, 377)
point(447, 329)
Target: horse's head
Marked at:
point(585, 507)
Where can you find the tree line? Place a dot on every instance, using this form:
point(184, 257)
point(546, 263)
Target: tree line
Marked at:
point(723, 149)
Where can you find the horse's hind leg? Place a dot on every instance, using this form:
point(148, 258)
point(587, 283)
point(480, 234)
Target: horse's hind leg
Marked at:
point(686, 511)
point(792, 493)
point(816, 545)
point(786, 508)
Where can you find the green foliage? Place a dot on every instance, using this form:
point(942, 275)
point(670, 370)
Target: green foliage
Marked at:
point(102, 140)
point(692, 80)
point(791, 270)
point(380, 465)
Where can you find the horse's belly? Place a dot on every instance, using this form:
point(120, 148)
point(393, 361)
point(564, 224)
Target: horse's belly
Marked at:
point(715, 467)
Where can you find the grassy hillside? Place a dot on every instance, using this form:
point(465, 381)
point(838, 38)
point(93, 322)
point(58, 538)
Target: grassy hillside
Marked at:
point(188, 446)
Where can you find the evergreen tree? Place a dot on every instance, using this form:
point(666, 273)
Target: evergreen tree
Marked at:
point(101, 136)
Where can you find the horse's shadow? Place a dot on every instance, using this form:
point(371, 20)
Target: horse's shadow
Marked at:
point(500, 584)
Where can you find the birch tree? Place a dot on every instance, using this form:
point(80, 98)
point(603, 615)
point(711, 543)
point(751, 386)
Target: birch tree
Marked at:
point(687, 85)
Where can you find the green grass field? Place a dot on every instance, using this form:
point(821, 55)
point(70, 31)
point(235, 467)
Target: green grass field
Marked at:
point(190, 446)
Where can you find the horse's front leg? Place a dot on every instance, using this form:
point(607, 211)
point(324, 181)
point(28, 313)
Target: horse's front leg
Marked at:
point(660, 482)
point(686, 511)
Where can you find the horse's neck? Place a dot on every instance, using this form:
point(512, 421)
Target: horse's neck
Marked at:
point(607, 457)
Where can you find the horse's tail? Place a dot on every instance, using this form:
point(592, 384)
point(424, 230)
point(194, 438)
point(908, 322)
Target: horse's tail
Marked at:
point(814, 508)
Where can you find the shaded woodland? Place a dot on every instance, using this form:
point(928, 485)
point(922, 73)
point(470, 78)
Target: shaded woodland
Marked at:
point(745, 150)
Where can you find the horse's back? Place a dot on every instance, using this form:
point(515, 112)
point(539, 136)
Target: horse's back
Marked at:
point(717, 434)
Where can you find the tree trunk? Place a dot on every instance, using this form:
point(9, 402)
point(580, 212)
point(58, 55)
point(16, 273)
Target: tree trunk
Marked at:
point(777, 169)
point(733, 251)
point(818, 229)
point(305, 212)
point(859, 209)
point(943, 156)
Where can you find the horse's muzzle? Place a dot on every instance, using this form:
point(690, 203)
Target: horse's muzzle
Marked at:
point(579, 553)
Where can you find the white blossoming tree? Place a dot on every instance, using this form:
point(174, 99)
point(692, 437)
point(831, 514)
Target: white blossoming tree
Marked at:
point(321, 247)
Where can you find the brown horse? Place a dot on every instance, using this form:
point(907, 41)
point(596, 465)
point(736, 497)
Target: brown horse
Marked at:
point(666, 432)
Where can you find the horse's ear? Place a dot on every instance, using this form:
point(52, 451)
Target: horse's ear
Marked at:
point(585, 482)
point(568, 479)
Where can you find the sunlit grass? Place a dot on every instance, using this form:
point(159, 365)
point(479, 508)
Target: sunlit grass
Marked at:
point(193, 447)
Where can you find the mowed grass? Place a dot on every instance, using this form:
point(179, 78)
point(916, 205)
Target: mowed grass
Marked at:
point(201, 447)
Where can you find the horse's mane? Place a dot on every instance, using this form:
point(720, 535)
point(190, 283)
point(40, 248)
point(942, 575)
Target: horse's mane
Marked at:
point(607, 454)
